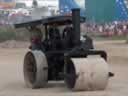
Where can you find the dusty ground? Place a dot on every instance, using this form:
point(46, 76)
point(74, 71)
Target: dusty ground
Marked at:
point(12, 83)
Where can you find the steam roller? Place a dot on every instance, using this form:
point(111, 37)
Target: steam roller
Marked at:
point(64, 55)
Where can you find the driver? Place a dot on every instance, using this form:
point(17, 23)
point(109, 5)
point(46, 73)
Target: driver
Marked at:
point(54, 37)
point(54, 32)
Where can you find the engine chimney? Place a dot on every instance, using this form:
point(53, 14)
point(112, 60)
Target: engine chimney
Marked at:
point(76, 26)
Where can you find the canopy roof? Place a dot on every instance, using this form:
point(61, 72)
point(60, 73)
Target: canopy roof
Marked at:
point(58, 20)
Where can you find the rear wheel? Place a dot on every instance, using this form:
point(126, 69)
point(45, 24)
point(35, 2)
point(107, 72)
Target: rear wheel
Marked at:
point(35, 69)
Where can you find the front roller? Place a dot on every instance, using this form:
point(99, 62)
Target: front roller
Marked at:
point(35, 69)
point(87, 74)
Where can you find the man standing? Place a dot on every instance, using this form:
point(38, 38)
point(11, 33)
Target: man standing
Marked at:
point(35, 38)
point(35, 4)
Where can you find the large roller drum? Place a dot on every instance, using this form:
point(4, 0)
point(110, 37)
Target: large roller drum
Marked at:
point(87, 74)
point(35, 69)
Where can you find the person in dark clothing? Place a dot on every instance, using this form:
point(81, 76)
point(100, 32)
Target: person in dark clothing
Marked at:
point(54, 32)
point(67, 36)
point(54, 37)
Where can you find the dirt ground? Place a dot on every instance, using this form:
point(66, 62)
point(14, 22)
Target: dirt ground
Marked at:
point(12, 81)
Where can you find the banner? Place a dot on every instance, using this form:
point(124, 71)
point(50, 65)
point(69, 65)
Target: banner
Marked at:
point(65, 6)
point(121, 12)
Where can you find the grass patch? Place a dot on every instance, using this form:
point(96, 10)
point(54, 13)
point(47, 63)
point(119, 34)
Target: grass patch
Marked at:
point(7, 33)
point(110, 37)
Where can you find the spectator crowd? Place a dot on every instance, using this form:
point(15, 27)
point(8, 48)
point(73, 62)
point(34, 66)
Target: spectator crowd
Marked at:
point(108, 29)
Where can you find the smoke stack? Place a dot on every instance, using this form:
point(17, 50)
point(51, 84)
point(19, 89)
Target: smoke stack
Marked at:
point(76, 26)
